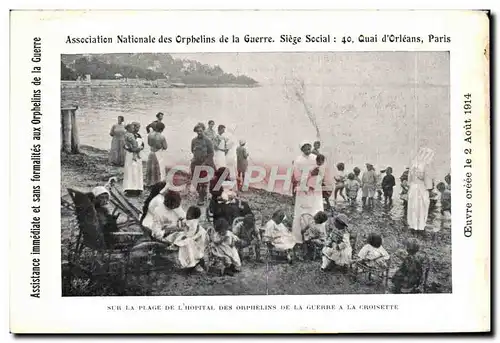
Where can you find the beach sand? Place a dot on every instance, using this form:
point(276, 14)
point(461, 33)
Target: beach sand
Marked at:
point(85, 171)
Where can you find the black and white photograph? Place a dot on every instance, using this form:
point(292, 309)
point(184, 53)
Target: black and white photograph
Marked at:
point(255, 173)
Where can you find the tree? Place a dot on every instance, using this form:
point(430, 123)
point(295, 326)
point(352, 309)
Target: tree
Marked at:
point(67, 73)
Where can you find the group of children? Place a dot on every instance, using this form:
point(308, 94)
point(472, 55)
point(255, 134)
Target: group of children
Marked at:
point(370, 182)
point(221, 246)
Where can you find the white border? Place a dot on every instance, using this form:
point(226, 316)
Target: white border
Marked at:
point(455, 247)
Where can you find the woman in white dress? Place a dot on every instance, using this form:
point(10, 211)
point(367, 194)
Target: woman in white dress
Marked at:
point(308, 193)
point(168, 217)
point(420, 183)
point(156, 198)
point(220, 148)
point(132, 175)
point(231, 158)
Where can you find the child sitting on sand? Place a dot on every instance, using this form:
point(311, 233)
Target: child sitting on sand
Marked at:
point(373, 253)
point(314, 235)
point(352, 187)
point(338, 248)
point(410, 273)
point(222, 248)
point(277, 234)
point(248, 234)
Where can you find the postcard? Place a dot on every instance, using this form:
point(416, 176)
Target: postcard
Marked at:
point(205, 172)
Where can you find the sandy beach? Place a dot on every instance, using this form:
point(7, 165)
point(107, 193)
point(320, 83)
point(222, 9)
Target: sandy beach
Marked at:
point(85, 171)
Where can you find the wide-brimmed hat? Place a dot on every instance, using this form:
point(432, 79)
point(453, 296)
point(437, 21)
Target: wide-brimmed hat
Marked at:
point(343, 219)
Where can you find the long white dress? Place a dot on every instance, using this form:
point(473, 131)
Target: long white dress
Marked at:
point(231, 159)
point(192, 242)
point(306, 201)
point(155, 202)
point(418, 198)
point(418, 195)
point(219, 153)
point(132, 173)
point(279, 236)
point(335, 251)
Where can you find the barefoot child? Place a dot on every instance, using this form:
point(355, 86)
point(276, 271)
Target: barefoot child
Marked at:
point(388, 183)
point(352, 187)
point(338, 248)
point(277, 234)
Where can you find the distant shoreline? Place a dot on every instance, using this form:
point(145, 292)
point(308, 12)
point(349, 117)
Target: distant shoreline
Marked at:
point(150, 84)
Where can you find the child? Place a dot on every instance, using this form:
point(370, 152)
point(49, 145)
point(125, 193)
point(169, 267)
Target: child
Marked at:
point(242, 162)
point(373, 253)
point(223, 248)
point(447, 179)
point(405, 187)
point(314, 235)
point(388, 183)
point(410, 273)
point(380, 176)
point(320, 162)
point(339, 181)
point(191, 241)
point(356, 172)
point(368, 184)
point(445, 204)
point(445, 198)
point(276, 233)
point(338, 246)
point(352, 188)
point(316, 147)
point(248, 234)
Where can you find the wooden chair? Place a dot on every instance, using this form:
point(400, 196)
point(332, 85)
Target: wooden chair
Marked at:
point(381, 271)
point(103, 247)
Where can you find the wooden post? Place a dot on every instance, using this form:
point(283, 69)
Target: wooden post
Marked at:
point(69, 131)
point(66, 127)
point(75, 141)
